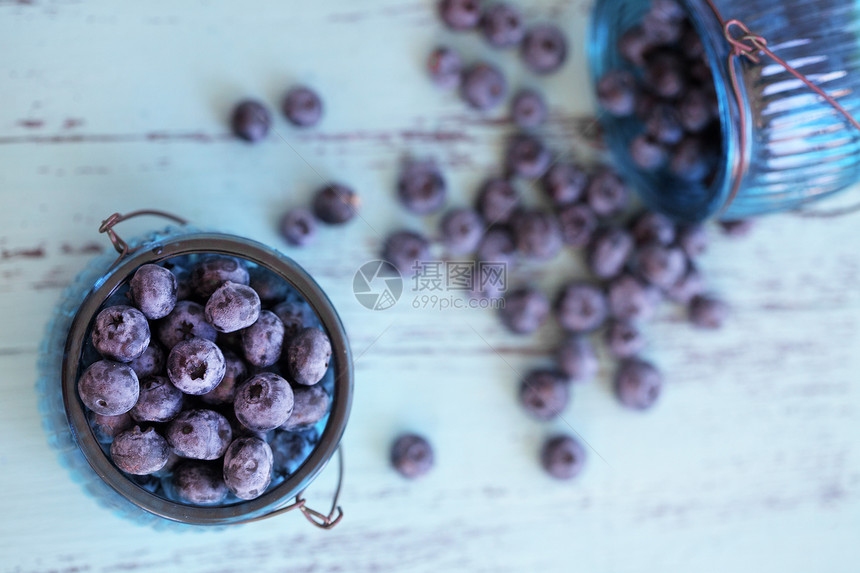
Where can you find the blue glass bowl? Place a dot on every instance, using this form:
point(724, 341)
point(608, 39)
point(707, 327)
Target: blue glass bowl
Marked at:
point(798, 148)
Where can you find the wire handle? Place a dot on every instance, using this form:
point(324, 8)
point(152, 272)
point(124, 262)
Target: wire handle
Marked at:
point(317, 518)
point(118, 243)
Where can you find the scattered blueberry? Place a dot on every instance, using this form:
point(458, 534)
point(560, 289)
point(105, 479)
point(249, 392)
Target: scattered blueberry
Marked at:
point(650, 226)
point(153, 290)
point(263, 341)
point(544, 48)
point(460, 14)
point(187, 321)
point(109, 388)
point(335, 204)
point(211, 271)
point(406, 250)
point(310, 405)
point(581, 307)
point(308, 355)
point(638, 384)
point(421, 187)
point(528, 109)
point(159, 401)
point(606, 194)
point(564, 183)
point(616, 92)
point(248, 467)
point(688, 286)
point(660, 265)
point(577, 224)
point(235, 372)
point(251, 121)
point(199, 434)
point(527, 157)
point(708, 312)
point(497, 200)
point(196, 366)
point(576, 359)
point(623, 339)
point(139, 452)
point(562, 457)
point(232, 307)
point(502, 25)
point(412, 456)
point(693, 239)
point(446, 68)
point(544, 394)
point(537, 234)
point(497, 246)
point(120, 333)
point(525, 310)
point(484, 87)
point(302, 107)
point(199, 482)
point(461, 230)
point(631, 299)
point(737, 228)
point(298, 227)
point(609, 252)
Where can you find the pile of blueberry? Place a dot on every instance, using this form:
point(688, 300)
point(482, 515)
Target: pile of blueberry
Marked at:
point(207, 379)
point(667, 85)
point(637, 260)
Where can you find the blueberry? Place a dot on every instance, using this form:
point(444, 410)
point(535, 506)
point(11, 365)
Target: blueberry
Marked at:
point(647, 153)
point(661, 31)
point(663, 123)
point(198, 482)
point(106, 428)
point(650, 226)
point(139, 452)
point(263, 341)
point(634, 44)
point(667, 10)
point(251, 121)
point(737, 227)
point(606, 194)
point(460, 14)
point(153, 290)
point(577, 224)
point(196, 366)
point(609, 252)
point(689, 160)
point(185, 322)
point(150, 363)
point(528, 109)
point(302, 107)
point(211, 271)
point(693, 239)
point(660, 265)
point(497, 246)
point(446, 68)
point(295, 315)
point(637, 384)
point(290, 450)
point(183, 281)
point(623, 339)
point(298, 227)
point(687, 287)
point(544, 48)
point(108, 388)
point(525, 310)
point(232, 307)
point(199, 434)
point(421, 187)
point(235, 372)
point(564, 183)
point(461, 230)
point(484, 87)
point(120, 333)
point(581, 307)
point(664, 75)
point(406, 250)
point(497, 200)
point(576, 359)
point(248, 467)
point(691, 44)
point(695, 110)
point(562, 457)
point(335, 204)
point(708, 312)
point(631, 299)
point(527, 157)
point(159, 401)
point(263, 402)
point(270, 287)
point(310, 405)
point(308, 356)
point(544, 394)
point(616, 92)
point(502, 25)
point(412, 455)
point(537, 234)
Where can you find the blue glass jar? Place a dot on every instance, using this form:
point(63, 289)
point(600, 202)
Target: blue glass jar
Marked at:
point(797, 148)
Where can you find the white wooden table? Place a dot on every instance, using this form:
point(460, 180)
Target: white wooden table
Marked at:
point(750, 461)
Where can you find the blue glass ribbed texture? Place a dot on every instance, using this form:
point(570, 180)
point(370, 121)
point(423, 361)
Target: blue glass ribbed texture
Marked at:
point(799, 148)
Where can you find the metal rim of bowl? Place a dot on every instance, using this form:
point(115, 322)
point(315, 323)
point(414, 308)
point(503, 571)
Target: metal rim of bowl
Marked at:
point(298, 278)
